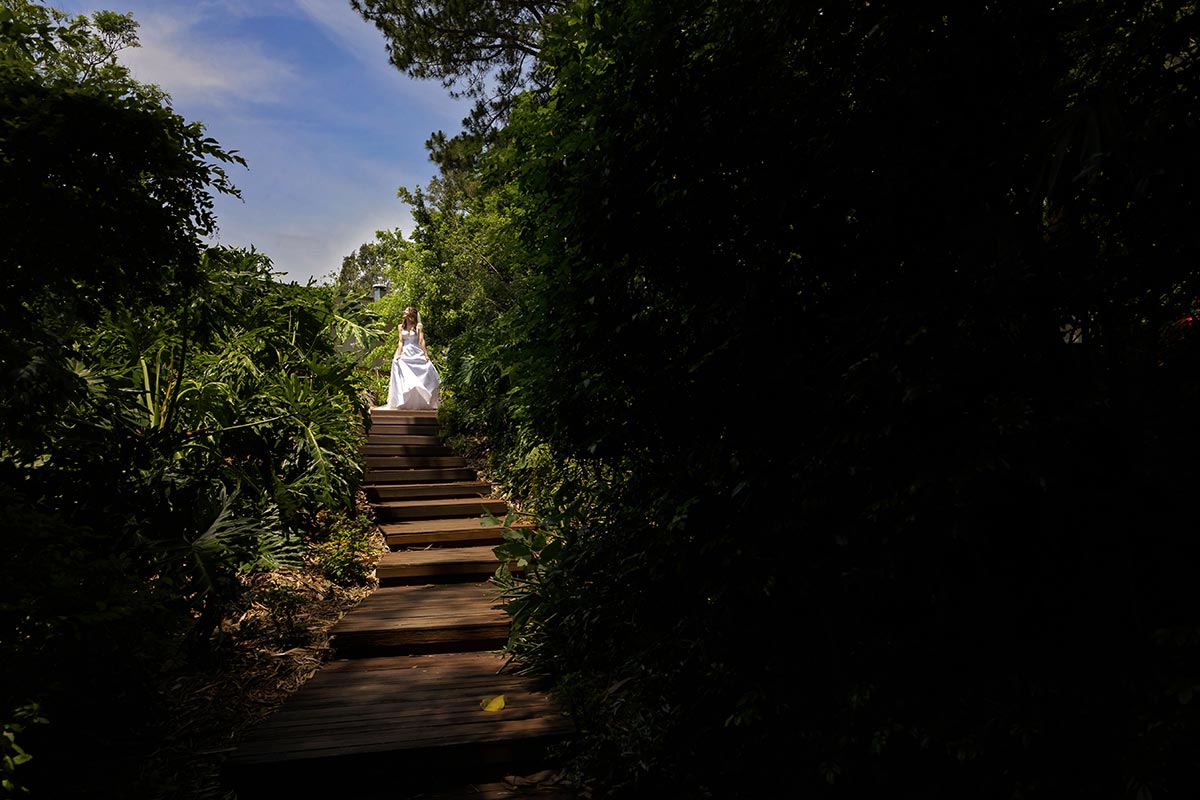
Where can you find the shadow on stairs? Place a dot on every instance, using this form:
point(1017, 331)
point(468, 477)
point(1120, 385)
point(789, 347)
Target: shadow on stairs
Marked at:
point(399, 711)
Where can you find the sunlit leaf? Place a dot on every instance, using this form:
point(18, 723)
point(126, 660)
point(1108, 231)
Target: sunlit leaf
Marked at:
point(494, 704)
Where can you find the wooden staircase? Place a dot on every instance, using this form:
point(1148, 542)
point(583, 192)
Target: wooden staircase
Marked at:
point(398, 713)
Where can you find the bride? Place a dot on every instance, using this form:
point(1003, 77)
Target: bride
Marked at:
point(414, 382)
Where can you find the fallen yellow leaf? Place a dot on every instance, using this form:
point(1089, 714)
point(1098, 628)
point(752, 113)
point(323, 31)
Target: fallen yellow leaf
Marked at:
point(495, 704)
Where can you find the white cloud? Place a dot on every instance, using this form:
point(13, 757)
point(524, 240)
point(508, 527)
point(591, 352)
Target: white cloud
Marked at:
point(303, 249)
point(364, 42)
point(329, 132)
point(348, 28)
point(193, 68)
point(349, 237)
point(307, 208)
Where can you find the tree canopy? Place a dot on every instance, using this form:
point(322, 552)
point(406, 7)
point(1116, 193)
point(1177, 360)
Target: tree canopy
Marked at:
point(171, 417)
point(485, 50)
point(860, 330)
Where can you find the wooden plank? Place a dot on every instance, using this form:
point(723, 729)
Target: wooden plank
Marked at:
point(391, 430)
point(504, 790)
point(416, 716)
point(371, 718)
point(401, 449)
point(423, 415)
point(378, 776)
point(402, 438)
point(384, 475)
point(426, 424)
point(401, 462)
point(394, 615)
point(437, 507)
point(474, 536)
point(398, 607)
point(388, 429)
point(386, 491)
point(366, 689)
point(405, 575)
point(459, 568)
point(402, 703)
point(410, 426)
point(472, 506)
point(377, 715)
point(403, 725)
point(445, 555)
point(450, 532)
point(448, 525)
point(458, 639)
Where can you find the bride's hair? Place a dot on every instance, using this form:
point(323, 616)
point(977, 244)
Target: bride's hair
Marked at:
point(411, 314)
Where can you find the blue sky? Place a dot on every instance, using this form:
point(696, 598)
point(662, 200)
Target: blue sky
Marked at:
point(302, 89)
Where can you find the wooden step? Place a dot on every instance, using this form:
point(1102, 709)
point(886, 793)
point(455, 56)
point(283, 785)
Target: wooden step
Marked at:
point(404, 450)
point(475, 562)
point(365, 721)
point(454, 532)
point(488, 536)
point(405, 620)
point(411, 491)
point(402, 438)
point(433, 475)
point(403, 462)
point(393, 425)
point(437, 507)
point(403, 427)
point(513, 787)
point(414, 417)
point(409, 723)
point(398, 429)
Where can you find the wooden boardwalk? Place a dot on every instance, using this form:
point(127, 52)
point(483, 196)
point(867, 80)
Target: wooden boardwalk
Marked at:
point(398, 713)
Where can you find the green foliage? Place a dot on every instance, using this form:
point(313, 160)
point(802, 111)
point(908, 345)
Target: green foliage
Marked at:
point(36, 40)
point(462, 268)
point(366, 266)
point(341, 548)
point(785, 340)
point(170, 415)
point(536, 549)
point(484, 50)
point(197, 449)
point(463, 254)
point(12, 755)
point(83, 142)
point(71, 109)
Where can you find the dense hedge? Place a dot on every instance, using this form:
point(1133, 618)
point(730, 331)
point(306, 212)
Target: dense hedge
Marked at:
point(170, 415)
point(849, 354)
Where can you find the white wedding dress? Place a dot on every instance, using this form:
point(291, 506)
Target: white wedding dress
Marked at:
point(414, 383)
